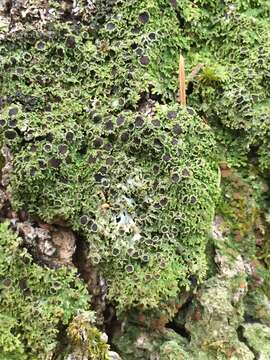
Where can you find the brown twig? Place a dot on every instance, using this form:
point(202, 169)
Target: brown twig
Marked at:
point(182, 82)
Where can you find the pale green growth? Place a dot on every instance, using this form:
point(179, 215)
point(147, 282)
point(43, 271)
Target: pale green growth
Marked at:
point(138, 343)
point(35, 301)
point(100, 143)
point(90, 114)
point(232, 90)
point(257, 337)
point(218, 312)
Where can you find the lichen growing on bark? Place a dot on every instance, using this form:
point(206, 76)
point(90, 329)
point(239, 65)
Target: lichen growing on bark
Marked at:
point(35, 301)
point(95, 143)
point(92, 149)
point(232, 90)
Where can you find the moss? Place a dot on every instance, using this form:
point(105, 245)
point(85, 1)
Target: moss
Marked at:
point(241, 206)
point(242, 223)
point(257, 304)
point(35, 301)
point(85, 339)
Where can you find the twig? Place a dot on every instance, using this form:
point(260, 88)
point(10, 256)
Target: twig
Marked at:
point(182, 82)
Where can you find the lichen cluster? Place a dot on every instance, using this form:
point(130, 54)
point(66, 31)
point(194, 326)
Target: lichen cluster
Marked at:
point(95, 145)
point(232, 90)
point(36, 302)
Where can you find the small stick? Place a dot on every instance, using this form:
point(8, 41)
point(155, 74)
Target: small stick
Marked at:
point(182, 82)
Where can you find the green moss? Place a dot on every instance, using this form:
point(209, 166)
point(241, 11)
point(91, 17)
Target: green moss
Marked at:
point(257, 304)
point(35, 301)
point(241, 207)
point(212, 74)
point(85, 339)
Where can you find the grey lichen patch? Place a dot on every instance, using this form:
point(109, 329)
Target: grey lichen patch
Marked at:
point(213, 318)
point(138, 344)
point(257, 337)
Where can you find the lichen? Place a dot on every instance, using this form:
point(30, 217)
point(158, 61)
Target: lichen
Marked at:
point(257, 336)
point(232, 90)
point(94, 140)
point(217, 311)
point(96, 146)
point(136, 343)
point(35, 301)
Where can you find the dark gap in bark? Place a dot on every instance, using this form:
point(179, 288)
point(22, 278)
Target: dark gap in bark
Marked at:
point(112, 324)
point(180, 328)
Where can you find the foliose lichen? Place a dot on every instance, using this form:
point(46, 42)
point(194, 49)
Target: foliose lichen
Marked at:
point(232, 90)
point(98, 143)
point(36, 302)
point(89, 112)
